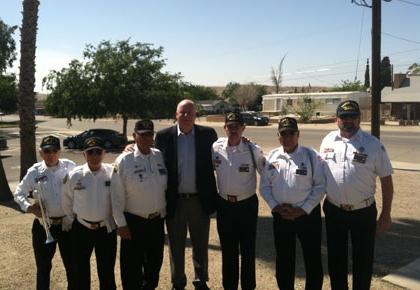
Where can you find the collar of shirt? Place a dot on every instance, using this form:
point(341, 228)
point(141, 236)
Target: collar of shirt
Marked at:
point(240, 147)
point(288, 155)
point(86, 170)
point(137, 153)
point(356, 137)
point(44, 166)
point(179, 132)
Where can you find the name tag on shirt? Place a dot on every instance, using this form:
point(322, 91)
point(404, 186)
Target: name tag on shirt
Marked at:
point(302, 171)
point(244, 168)
point(360, 157)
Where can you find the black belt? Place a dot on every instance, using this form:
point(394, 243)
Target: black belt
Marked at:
point(187, 195)
point(94, 225)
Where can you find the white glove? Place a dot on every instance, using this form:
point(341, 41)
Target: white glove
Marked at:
point(66, 224)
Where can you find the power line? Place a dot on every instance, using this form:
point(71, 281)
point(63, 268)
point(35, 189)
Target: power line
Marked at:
point(400, 38)
point(410, 3)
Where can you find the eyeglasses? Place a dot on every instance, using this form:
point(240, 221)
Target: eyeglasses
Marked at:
point(49, 151)
point(94, 152)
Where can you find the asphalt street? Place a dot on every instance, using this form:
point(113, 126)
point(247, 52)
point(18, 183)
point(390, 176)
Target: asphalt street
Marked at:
point(402, 143)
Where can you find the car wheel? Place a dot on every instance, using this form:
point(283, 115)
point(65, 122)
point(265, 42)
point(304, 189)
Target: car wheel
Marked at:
point(71, 145)
point(108, 144)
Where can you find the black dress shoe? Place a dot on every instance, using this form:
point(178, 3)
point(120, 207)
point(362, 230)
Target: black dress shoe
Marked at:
point(199, 285)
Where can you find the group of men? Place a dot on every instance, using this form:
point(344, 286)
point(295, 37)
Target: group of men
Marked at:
point(187, 176)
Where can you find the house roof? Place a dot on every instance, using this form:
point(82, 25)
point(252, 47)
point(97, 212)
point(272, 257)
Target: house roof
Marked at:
point(409, 92)
point(209, 102)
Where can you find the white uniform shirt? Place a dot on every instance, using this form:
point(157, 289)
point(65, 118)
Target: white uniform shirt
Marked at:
point(354, 165)
point(138, 185)
point(88, 194)
point(235, 170)
point(290, 178)
point(51, 182)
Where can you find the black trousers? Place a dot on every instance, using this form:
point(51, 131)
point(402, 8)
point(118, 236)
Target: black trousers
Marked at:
point(308, 230)
point(141, 257)
point(237, 228)
point(105, 244)
point(361, 224)
point(44, 254)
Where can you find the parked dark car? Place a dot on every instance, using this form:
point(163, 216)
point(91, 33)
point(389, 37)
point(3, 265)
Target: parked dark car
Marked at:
point(254, 118)
point(3, 143)
point(112, 139)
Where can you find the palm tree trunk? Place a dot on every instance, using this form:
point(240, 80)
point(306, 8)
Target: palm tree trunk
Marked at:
point(125, 122)
point(26, 100)
point(5, 192)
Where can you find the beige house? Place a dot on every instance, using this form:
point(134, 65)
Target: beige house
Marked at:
point(325, 103)
point(402, 100)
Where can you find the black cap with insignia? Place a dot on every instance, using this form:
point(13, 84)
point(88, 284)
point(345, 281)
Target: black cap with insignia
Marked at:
point(144, 126)
point(288, 124)
point(348, 108)
point(50, 142)
point(93, 143)
point(234, 117)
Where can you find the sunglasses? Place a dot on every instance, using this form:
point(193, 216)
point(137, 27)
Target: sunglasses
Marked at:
point(49, 151)
point(94, 152)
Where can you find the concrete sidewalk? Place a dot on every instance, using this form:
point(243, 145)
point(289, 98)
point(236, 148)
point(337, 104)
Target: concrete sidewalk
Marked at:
point(398, 165)
point(407, 277)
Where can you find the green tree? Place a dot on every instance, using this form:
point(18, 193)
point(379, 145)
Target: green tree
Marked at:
point(7, 46)
point(26, 99)
point(261, 90)
point(386, 72)
point(8, 93)
point(414, 68)
point(246, 95)
point(349, 86)
point(73, 93)
point(305, 108)
point(124, 74)
point(229, 92)
point(199, 93)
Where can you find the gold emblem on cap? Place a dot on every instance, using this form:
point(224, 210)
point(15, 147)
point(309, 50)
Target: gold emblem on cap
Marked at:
point(347, 106)
point(91, 142)
point(49, 139)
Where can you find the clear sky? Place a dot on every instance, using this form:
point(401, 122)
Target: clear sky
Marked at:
point(213, 42)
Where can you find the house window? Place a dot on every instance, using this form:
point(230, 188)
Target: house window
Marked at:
point(332, 101)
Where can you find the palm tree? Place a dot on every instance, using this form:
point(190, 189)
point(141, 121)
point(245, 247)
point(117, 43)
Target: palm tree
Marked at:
point(26, 99)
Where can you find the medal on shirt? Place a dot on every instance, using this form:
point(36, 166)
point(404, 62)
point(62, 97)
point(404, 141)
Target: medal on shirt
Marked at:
point(244, 168)
point(42, 178)
point(359, 156)
point(302, 169)
point(79, 186)
point(217, 161)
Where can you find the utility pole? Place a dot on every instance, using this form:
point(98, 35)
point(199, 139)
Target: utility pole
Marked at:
point(376, 63)
point(376, 68)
